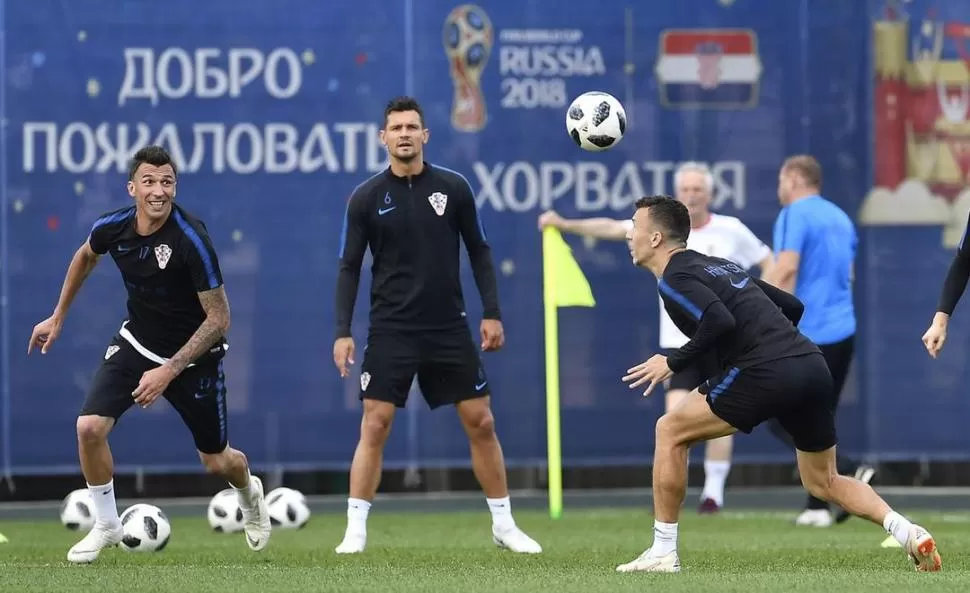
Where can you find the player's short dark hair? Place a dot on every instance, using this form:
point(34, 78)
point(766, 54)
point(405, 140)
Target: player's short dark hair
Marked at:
point(404, 103)
point(807, 168)
point(669, 214)
point(153, 155)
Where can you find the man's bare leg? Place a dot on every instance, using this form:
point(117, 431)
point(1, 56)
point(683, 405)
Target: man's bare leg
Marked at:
point(488, 464)
point(365, 472)
point(97, 466)
point(691, 421)
point(820, 477)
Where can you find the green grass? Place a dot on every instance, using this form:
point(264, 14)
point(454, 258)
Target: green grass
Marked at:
point(451, 552)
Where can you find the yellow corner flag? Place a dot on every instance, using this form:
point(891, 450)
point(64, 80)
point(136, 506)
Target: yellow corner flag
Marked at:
point(563, 285)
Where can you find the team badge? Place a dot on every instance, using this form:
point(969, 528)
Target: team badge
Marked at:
point(364, 381)
point(163, 253)
point(112, 349)
point(438, 202)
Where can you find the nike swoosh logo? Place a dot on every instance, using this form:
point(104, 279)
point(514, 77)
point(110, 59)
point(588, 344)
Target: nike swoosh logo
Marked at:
point(199, 396)
point(481, 386)
point(741, 284)
point(124, 249)
point(384, 211)
point(254, 542)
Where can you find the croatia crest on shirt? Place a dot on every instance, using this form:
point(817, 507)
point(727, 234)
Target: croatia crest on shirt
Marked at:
point(708, 68)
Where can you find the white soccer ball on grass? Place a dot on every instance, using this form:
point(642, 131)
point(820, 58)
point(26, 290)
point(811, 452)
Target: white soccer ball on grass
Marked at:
point(224, 513)
point(146, 528)
point(287, 508)
point(77, 510)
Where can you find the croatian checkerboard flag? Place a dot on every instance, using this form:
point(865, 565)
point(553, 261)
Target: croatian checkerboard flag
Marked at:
point(714, 68)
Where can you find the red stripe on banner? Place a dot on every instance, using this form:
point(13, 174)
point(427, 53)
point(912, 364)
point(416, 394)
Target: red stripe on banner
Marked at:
point(956, 30)
point(684, 42)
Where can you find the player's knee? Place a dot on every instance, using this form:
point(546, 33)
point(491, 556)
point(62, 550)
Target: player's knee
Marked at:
point(375, 427)
point(93, 429)
point(481, 425)
point(819, 483)
point(664, 430)
point(222, 463)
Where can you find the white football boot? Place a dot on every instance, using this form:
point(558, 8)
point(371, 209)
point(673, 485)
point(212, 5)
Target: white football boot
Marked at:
point(256, 520)
point(99, 538)
point(516, 541)
point(647, 563)
point(921, 548)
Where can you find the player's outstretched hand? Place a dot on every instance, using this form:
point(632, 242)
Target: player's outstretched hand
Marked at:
point(153, 383)
point(493, 335)
point(549, 218)
point(934, 338)
point(44, 334)
point(652, 371)
point(343, 355)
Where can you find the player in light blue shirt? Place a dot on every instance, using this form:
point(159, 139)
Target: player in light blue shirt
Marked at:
point(815, 245)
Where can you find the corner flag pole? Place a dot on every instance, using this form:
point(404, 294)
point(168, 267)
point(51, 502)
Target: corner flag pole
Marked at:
point(563, 285)
point(553, 436)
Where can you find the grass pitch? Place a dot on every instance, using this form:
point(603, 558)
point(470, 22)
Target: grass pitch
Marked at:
point(447, 552)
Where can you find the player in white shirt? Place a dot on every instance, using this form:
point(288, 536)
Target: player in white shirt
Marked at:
point(710, 234)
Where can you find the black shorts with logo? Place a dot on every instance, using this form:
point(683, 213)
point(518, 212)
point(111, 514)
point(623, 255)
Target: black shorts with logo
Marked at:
point(798, 391)
point(446, 362)
point(198, 394)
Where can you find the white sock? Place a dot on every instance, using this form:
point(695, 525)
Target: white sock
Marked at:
point(715, 475)
point(897, 526)
point(501, 509)
point(664, 539)
point(357, 510)
point(247, 494)
point(105, 507)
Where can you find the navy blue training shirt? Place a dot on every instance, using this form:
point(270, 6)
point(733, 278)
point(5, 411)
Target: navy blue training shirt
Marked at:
point(728, 314)
point(163, 273)
point(414, 227)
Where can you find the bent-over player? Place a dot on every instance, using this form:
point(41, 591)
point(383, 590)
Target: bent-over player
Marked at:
point(171, 345)
point(413, 216)
point(768, 370)
point(711, 234)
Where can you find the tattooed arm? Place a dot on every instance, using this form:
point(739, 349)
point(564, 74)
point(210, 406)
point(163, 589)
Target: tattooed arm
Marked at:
point(216, 325)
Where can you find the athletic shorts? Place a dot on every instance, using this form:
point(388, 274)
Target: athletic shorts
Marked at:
point(446, 362)
point(691, 377)
point(797, 391)
point(198, 393)
point(838, 356)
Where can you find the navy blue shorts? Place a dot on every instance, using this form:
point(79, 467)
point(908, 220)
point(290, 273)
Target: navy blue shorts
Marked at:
point(198, 394)
point(446, 363)
point(798, 391)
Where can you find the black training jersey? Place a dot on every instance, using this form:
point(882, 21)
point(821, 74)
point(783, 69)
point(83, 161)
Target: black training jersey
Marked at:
point(744, 321)
point(163, 272)
point(956, 276)
point(412, 226)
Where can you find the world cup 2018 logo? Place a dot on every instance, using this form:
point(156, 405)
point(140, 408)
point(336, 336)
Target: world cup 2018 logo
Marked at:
point(468, 41)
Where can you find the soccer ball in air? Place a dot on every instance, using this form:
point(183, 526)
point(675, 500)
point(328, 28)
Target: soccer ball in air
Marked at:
point(596, 121)
point(77, 510)
point(146, 528)
point(287, 508)
point(224, 512)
